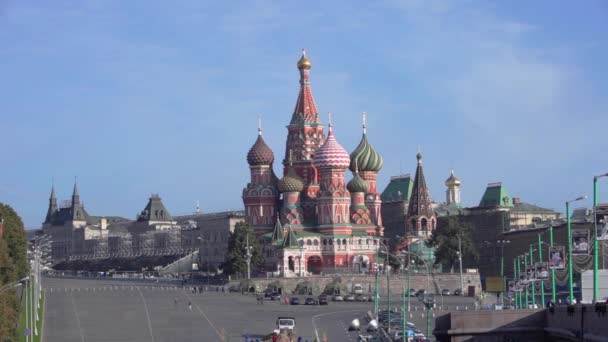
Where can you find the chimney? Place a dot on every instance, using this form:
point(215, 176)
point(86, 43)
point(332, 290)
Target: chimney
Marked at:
point(516, 200)
point(103, 223)
point(1, 227)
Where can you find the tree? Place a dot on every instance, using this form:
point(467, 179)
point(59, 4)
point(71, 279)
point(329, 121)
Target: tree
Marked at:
point(13, 266)
point(235, 261)
point(445, 241)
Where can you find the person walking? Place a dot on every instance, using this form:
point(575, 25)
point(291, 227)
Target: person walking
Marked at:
point(190, 306)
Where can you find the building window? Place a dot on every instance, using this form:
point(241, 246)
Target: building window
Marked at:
point(315, 242)
point(308, 242)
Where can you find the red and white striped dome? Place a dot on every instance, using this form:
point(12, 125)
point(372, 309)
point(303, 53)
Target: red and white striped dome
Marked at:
point(331, 154)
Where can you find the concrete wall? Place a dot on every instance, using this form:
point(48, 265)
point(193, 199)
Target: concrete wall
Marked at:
point(583, 323)
point(508, 325)
point(418, 281)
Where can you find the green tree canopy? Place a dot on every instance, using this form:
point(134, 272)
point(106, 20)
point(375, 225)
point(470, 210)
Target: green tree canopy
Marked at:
point(235, 261)
point(13, 266)
point(445, 241)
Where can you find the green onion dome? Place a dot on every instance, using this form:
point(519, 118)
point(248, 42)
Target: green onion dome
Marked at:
point(357, 184)
point(260, 153)
point(365, 157)
point(291, 182)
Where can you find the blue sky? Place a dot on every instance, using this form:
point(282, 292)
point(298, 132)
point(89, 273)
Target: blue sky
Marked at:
point(136, 97)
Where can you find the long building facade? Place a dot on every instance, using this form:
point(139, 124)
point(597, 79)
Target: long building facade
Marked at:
point(311, 220)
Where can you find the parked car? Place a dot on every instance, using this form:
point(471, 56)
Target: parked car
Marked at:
point(349, 298)
point(323, 300)
point(309, 301)
point(420, 292)
point(412, 292)
point(361, 298)
point(338, 298)
point(458, 292)
point(294, 301)
point(445, 292)
point(275, 296)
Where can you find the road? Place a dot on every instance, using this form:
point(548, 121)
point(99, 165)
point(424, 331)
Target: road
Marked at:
point(93, 310)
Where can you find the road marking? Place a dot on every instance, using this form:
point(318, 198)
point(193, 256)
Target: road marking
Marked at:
point(207, 318)
point(147, 314)
point(77, 317)
point(314, 326)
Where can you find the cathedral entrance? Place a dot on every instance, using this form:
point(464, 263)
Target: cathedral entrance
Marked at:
point(291, 264)
point(315, 264)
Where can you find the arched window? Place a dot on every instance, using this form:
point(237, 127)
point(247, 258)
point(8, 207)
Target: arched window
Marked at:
point(367, 241)
point(330, 241)
point(414, 224)
point(324, 242)
point(338, 242)
point(315, 242)
point(424, 224)
point(344, 242)
point(360, 242)
point(308, 242)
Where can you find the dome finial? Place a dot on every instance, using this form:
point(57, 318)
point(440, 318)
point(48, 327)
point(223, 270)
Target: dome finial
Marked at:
point(260, 124)
point(364, 122)
point(290, 160)
point(304, 62)
point(330, 124)
point(419, 155)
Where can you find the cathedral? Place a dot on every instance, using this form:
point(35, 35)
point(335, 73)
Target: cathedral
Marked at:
point(311, 220)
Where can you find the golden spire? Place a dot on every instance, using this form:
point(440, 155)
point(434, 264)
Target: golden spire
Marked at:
point(304, 62)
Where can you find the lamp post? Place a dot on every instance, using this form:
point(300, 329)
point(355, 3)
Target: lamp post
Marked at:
point(248, 257)
point(526, 273)
point(570, 258)
point(502, 244)
point(460, 261)
point(514, 280)
point(540, 260)
point(553, 290)
point(532, 283)
point(595, 243)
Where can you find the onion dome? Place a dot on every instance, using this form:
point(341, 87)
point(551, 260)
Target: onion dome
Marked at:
point(357, 184)
point(291, 182)
point(331, 154)
point(366, 157)
point(304, 62)
point(260, 153)
point(452, 180)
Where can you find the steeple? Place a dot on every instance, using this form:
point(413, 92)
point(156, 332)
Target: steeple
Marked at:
point(420, 216)
point(52, 205)
point(75, 195)
point(277, 234)
point(306, 110)
point(290, 241)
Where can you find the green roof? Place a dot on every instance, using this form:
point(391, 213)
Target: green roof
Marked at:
point(496, 196)
point(530, 208)
point(290, 239)
point(277, 234)
point(398, 189)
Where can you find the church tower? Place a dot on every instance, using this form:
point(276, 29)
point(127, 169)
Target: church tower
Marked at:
point(333, 203)
point(290, 186)
point(420, 220)
point(260, 196)
point(305, 135)
point(452, 194)
point(368, 162)
point(78, 217)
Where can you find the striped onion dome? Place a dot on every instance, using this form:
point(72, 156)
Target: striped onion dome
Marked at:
point(260, 153)
point(357, 184)
point(366, 157)
point(331, 154)
point(291, 182)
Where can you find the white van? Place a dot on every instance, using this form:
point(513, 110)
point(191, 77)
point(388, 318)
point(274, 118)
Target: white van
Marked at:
point(286, 323)
point(357, 288)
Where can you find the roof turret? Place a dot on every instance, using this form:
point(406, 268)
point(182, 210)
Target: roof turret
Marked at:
point(452, 181)
point(291, 182)
point(331, 154)
point(260, 153)
point(357, 184)
point(367, 158)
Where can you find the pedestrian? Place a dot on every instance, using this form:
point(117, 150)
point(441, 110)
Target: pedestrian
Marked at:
point(175, 301)
point(275, 338)
point(190, 306)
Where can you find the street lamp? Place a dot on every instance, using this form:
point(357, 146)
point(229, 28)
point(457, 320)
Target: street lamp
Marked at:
point(595, 244)
point(502, 244)
point(460, 261)
point(570, 258)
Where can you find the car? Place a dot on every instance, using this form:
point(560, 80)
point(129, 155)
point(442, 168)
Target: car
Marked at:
point(294, 301)
point(458, 292)
point(323, 300)
point(337, 298)
point(275, 296)
point(412, 292)
point(309, 301)
point(361, 298)
point(420, 292)
point(349, 298)
point(445, 292)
